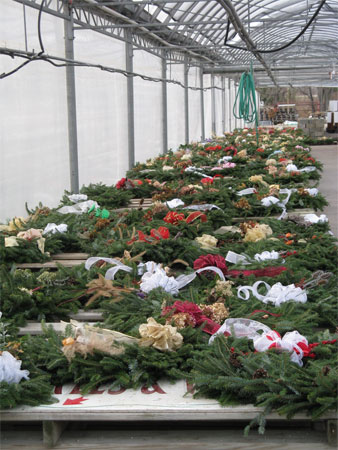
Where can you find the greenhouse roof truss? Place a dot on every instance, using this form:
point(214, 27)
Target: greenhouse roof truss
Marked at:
point(222, 36)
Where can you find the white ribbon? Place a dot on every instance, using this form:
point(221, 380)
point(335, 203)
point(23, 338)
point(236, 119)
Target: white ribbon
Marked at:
point(79, 208)
point(174, 203)
point(205, 207)
point(224, 159)
point(250, 329)
point(271, 200)
point(157, 277)
point(294, 168)
point(266, 255)
point(241, 328)
point(235, 258)
point(313, 218)
point(10, 369)
point(110, 274)
point(308, 169)
point(149, 266)
point(53, 228)
point(247, 191)
point(196, 171)
point(313, 192)
point(76, 198)
point(153, 275)
point(275, 153)
point(289, 343)
point(277, 294)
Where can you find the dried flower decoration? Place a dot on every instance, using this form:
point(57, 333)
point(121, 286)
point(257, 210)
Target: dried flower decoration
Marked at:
point(162, 337)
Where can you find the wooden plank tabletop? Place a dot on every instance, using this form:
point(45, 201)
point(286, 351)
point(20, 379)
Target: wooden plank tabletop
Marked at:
point(51, 264)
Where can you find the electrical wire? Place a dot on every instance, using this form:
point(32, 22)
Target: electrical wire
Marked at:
point(73, 63)
point(34, 57)
point(283, 46)
point(41, 56)
point(39, 28)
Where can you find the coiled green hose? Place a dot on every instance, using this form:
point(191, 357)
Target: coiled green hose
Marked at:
point(245, 101)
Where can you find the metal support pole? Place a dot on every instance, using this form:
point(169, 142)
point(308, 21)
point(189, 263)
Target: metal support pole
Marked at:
point(202, 105)
point(213, 106)
point(229, 104)
point(223, 104)
point(164, 104)
point(130, 100)
point(25, 26)
point(71, 102)
point(186, 99)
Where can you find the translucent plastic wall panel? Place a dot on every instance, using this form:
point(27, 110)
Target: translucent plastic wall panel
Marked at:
point(227, 105)
point(176, 125)
point(13, 33)
point(233, 96)
point(218, 105)
point(101, 100)
point(147, 107)
point(34, 161)
point(207, 105)
point(194, 105)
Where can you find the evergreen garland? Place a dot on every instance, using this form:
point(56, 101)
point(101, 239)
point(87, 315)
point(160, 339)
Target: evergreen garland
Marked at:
point(228, 370)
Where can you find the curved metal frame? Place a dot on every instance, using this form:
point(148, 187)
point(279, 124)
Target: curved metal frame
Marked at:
point(197, 28)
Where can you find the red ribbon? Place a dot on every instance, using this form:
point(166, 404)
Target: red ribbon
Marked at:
point(264, 311)
point(266, 272)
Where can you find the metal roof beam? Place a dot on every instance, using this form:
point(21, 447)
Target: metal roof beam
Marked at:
point(237, 69)
point(236, 21)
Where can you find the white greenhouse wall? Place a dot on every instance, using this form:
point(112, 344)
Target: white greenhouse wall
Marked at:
point(101, 109)
point(34, 161)
point(176, 125)
point(195, 131)
point(147, 107)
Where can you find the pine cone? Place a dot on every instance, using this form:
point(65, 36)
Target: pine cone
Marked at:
point(234, 361)
point(326, 370)
point(260, 373)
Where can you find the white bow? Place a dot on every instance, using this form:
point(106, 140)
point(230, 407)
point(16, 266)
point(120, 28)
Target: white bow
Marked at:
point(157, 277)
point(75, 198)
point(313, 218)
point(251, 329)
point(247, 191)
point(196, 171)
point(277, 294)
point(110, 274)
point(10, 369)
point(266, 255)
point(271, 200)
point(224, 159)
point(79, 208)
point(294, 168)
point(204, 207)
point(290, 342)
point(174, 203)
point(313, 192)
point(53, 228)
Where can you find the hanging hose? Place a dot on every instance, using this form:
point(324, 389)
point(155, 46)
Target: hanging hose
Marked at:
point(245, 101)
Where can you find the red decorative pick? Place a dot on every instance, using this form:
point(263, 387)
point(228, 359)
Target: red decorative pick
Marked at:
point(75, 401)
point(256, 311)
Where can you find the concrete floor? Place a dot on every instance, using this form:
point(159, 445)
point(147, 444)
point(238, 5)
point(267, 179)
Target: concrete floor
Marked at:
point(328, 155)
